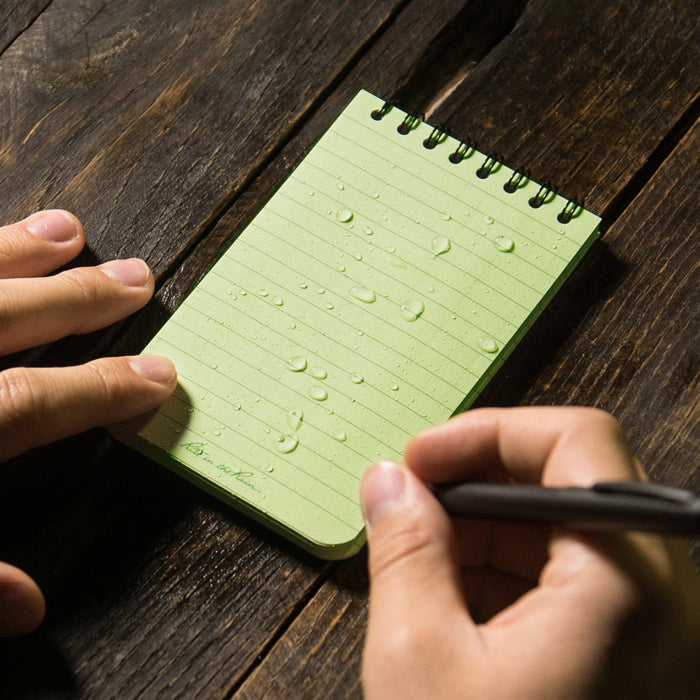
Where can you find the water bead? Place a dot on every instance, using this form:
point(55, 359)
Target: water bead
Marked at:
point(343, 215)
point(412, 309)
point(296, 363)
point(286, 443)
point(487, 344)
point(363, 294)
point(318, 393)
point(294, 418)
point(504, 244)
point(440, 244)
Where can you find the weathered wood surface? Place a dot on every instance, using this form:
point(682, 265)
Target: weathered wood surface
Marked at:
point(165, 128)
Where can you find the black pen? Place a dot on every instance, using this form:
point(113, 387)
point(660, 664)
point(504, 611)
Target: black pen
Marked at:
point(614, 505)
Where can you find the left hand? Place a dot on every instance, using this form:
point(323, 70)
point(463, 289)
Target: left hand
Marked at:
point(41, 405)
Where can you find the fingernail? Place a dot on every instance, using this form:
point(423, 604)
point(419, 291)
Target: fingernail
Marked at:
point(21, 607)
point(383, 488)
point(55, 226)
point(153, 368)
point(132, 272)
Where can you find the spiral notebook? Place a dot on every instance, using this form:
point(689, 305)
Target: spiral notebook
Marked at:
point(378, 290)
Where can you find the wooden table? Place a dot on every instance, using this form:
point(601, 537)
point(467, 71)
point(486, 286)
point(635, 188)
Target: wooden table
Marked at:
point(165, 125)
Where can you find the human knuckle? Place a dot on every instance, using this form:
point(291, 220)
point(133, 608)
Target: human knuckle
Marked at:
point(407, 642)
point(597, 420)
point(403, 543)
point(8, 315)
point(83, 284)
point(21, 401)
point(106, 382)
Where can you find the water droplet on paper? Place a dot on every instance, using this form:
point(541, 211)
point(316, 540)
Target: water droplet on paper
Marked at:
point(330, 306)
point(277, 300)
point(357, 256)
point(504, 244)
point(297, 363)
point(236, 406)
point(412, 309)
point(445, 216)
point(303, 285)
point(340, 435)
point(487, 344)
point(294, 418)
point(396, 262)
point(318, 372)
point(311, 193)
point(488, 219)
point(341, 186)
point(216, 432)
point(263, 292)
point(318, 393)
point(343, 215)
point(375, 195)
point(394, 387)
point(363, 294)
point(269, 470)
point(356, 378)
point(440, 244)
point(286, 443)
point(368, 231)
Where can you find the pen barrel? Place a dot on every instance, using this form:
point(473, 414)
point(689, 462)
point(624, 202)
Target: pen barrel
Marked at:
point(575, 508)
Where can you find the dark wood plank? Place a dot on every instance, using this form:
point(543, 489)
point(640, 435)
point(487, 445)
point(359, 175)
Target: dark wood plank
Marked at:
point(319, 656)
point(145, 118)
point(16, 16)
point(582, 93)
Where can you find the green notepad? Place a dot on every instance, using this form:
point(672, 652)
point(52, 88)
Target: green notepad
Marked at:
point(382, 285)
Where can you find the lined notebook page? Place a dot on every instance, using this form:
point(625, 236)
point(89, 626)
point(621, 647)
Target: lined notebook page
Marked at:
point(380, 286)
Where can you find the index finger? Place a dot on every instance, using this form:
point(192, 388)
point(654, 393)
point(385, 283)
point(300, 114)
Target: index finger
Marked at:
point(42, 242)
point(558, 446)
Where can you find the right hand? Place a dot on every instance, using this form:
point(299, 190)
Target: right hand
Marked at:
point(482, 609)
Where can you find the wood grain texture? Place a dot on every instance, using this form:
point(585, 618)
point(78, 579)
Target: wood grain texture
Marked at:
point(582, 93)
point(16, 16)
point(144, 118)
point(166, 129)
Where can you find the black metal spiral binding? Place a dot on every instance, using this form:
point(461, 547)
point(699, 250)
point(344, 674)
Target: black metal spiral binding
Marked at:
point(515, 179)
point(436, 135)
point(539, 199)
point(489, 165)
point(410, 121)
point(379, 114)
point(460, 153)
point(569, 211)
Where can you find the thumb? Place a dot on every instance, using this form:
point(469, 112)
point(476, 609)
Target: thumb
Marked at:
point(416, 605)
point(21, 602)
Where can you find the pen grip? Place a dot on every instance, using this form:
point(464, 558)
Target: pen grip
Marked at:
point(577, 508)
